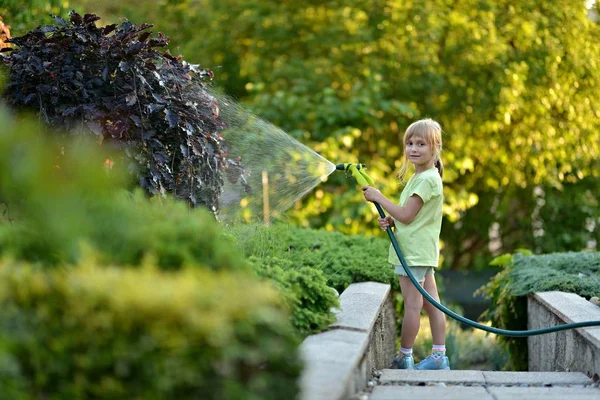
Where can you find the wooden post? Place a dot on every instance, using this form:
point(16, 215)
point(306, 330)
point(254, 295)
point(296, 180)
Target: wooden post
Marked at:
point(265, 182)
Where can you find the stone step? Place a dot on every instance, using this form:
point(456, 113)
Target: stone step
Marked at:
point(483, 393)
point(481, 378)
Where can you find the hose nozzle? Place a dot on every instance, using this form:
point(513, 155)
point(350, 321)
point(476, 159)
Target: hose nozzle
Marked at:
point(358, 172)
point(347, 166)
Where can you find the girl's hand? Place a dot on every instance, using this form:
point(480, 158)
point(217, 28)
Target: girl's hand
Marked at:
point(371, 194)
point(387, 222)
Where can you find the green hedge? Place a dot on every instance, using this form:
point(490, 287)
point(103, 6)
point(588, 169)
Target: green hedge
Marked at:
point(523, 274)
point(303, 262)
point(343, 259)
point(305, 291)
point(574, 272)
point(108, 333)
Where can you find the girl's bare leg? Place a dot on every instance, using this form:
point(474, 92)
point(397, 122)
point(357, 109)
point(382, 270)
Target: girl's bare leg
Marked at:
point(437, 319)
point(413, 302)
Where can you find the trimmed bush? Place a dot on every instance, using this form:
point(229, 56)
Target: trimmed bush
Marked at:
point(567, 272)
point(109, 333)
point(343, 259)
point(305, 291)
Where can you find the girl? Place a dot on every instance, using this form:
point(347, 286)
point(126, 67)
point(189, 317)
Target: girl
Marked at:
point(417, 221)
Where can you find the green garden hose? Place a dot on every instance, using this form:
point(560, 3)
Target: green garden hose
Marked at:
point(358, 172)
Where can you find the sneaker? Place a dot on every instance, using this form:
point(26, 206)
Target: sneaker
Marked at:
point(432, 363)
point(403, 362)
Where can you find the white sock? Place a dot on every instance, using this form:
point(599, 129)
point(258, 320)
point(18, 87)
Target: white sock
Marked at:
point(405, 352)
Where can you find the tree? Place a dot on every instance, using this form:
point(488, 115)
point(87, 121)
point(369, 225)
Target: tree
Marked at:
point(514, 85)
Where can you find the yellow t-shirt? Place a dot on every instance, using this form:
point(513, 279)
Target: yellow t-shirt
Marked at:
point(419, 240)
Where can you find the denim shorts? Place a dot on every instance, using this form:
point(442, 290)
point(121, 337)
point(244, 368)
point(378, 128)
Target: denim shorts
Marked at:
point(418, 272)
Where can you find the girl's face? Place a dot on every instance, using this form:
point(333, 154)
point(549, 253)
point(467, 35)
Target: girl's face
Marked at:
point(419, 152)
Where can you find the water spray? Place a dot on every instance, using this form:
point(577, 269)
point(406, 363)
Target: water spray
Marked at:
point(358, 172)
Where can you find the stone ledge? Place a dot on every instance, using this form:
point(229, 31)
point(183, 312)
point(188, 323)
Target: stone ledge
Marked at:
point(414, 377)
point(329, 360)
point(360, 305)
point(570, 350)
point(481, 393)
point(482, 378)
point(429, 393)
point(340, 361)
point(570, 307)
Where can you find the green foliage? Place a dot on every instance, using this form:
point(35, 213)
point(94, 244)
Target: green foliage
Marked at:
point(507, 312)
point(12, 383)
point(566, 272)
point(523, 274)
point(514, 85)
point(343, 259)
point(62, 201)
point(100, 332)
point(304, 289)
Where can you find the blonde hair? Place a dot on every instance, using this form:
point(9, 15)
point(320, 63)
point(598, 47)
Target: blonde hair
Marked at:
point(431, 132)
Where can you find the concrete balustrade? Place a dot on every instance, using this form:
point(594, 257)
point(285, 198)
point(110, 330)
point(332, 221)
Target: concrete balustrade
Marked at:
point(570, 350)
point(340, 361)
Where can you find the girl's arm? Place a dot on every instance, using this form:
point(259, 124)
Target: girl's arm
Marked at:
point(404, 214)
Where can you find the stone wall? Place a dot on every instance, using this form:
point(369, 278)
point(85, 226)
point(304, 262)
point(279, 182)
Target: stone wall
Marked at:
point(569, 350)
point(340, 361)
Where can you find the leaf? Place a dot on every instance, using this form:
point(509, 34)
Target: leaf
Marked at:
point(75, 18)
point(135, 48)
point(131, 99)
point(158, 98)
point(184, 150)
point(69, 111)
point(152, 108)
point(136, 120)
point(49, 28)
point(126, 27)
point(148, 134)
point(172, 118)
point(159, 79)
point(109, 28)
point(144, 36)
point(29, 97)
point(504, 259)
point(95, 127)
point(154, 42)
point(60, 21)
point(90, 18)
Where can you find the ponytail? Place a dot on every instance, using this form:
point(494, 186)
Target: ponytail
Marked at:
point(440, 166)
